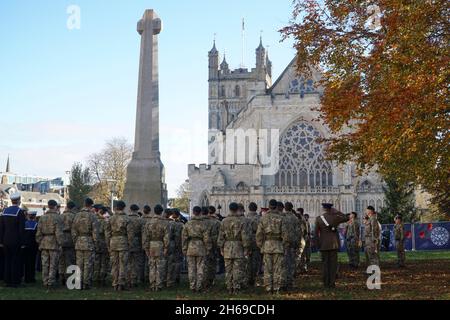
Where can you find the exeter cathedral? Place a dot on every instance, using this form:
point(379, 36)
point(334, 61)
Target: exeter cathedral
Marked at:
point(279, 121)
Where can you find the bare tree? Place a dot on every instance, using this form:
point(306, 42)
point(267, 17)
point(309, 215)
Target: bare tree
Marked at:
point(108, 169)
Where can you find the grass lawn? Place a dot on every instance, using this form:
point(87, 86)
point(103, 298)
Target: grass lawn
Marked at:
point(427, 276)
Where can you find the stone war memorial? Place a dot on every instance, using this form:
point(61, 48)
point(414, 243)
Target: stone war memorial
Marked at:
point(316, 171)
point(145, 174)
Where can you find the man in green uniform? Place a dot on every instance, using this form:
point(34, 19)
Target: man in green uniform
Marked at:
point(352, 235)
point(372, 237)
point(328, 243)
point(272, 237)
point(196, 239)
point(399, 241)
point(235, 244)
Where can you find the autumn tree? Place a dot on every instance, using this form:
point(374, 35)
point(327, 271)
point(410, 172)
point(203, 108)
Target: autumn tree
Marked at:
point(80, 184)
point(399, 199)
point(182, 200)
point(385, 73)
point(108, 168)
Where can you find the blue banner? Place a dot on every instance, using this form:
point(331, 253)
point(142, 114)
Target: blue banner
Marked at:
point(432, 236)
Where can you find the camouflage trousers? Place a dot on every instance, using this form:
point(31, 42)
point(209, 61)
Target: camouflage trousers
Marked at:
point(353, 253)
point(254, 267)
point(289, 267)
point(171, 275)
point(119, 267)
point(400, 253)
point(67, 258)
point(372, 254)
point(211, 268)
point(85, 261)
point(235, 273)
point(157, 272)
point(135, 266)
point(273, 269)
point(101, 266)
point(50, 261)
point(196, 272)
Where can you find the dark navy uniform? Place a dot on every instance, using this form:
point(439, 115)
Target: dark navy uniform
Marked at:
point(12, 229)
point(30, 251)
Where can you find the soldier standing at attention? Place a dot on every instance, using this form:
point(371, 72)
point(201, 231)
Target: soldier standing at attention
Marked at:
point(196, 239)
point(235, 240)
point(307, 250)
point(254, 261)
point(12, 229)
point(169, 279)
point(50, 237)
point(135, 240)
point(101, 250)
point(85, 236)
point(31, 248)
point(155, 241)
point(67, 257)
point(328, 243)
point(177, 232)
point(116, 236)
point(295, 235)
point(146, 216)
point(301, 257)
point(352, 235)
point(399, 241)
point(272, 237)
point(214, 254)
point(372, 237)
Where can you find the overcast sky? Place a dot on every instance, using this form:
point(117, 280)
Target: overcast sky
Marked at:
point(64, 92)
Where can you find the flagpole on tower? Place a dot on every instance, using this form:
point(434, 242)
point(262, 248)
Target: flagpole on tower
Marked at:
point(243, 43)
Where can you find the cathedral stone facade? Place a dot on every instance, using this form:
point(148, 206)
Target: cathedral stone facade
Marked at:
point(246, 113)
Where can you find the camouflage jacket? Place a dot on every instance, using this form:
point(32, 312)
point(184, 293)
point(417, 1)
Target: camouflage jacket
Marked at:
point(253, 220)
point(372, 231)
point(67, 219)
point(215, 228)
point(196, 237)
point(177, 232)
point(235, 237)
point(156, 237)
point(352, 231)
point(101, 242)
point(296, 232)
point(272, 235)
point(116, 231)
point(135, 236)
point(398, 232)
point(49, 233)
point(85, 229)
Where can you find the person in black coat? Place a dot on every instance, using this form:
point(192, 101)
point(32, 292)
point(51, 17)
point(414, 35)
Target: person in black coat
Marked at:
point(29, 253)
point(12, 229)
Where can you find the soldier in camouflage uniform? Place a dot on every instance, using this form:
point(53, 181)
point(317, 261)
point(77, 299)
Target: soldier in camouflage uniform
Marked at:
point(67, 257)
point(295, 235)
point(177, 232)
point(147, 215)
point(307, 251)
point(301, 265)
point(85, 236)
point(255, 259)
point(399, 241)
point(50, 237)
point(155, 241)
point(352, 235)
point(272, 237)
point(116, 236)
point(135, 258)
point(213, 255)
point(101, 262)
point(372, 237)
point(235, 240)
point(197, 243)
point(168, 277)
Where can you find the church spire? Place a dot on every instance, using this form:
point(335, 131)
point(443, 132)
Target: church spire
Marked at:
point(8, 169)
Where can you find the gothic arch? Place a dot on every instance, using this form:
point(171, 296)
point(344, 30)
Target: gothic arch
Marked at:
point(204, 199)
point(302, 158)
